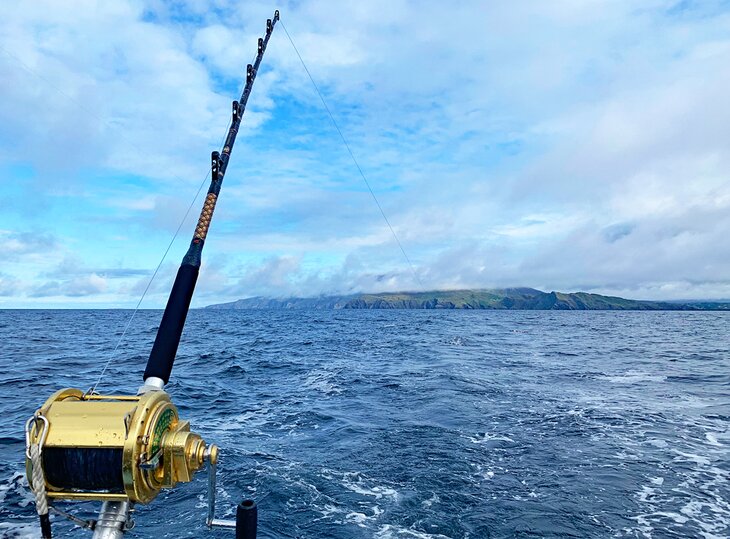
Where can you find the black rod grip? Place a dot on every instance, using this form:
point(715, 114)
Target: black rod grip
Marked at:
point(173, 320)
point(45, 526)
point(246, 520)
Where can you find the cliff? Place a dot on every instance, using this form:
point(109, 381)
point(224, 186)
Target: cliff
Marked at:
point(505, 298)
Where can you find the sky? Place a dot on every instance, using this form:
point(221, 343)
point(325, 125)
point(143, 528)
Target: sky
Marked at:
point(565, 145)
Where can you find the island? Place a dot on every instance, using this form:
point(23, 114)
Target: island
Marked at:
point(502, 298)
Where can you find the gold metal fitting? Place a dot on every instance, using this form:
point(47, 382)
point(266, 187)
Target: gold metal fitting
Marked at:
point(213, 454)
point(115, 447)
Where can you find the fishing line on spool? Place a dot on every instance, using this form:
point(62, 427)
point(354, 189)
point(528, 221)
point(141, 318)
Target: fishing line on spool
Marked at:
point(352, 156)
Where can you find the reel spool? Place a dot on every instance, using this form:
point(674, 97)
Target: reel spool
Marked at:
point(114, 448)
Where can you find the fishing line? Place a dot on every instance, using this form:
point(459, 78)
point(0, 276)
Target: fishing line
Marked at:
point(352, 155)
point(133, 145)
point(169, 246)
point(197, 194)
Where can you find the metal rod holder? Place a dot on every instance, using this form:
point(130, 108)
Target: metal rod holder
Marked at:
point(246, 522)
point(113, 520)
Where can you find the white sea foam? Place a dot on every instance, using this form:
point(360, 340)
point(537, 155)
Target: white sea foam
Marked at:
point(5, 487)
point(322, 381)
point(676, 517)
point(691, 457)
point(18, 485)
point(432, 500)
point(328, 510)
point(633, 377)
point(656, 442)
point(486, 437)
point(356, 483)
point(708, 518)
point(623, 455)
point(19, 530)
point(712, 439)
point(357, 518)
point(644, 526)
point(646, 494)
point(390, 531)
point(456, 341)
point(695, 510)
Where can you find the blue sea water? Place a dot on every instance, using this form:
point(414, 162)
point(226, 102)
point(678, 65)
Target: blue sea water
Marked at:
point(410, 424)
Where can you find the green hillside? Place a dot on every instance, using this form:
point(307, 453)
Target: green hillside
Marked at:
point(505, 298)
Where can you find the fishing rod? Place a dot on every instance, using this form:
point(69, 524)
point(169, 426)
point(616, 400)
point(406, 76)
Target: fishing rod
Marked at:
point(123, 450)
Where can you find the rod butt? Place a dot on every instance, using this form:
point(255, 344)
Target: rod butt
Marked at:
point(246, 520)
point(45, 521)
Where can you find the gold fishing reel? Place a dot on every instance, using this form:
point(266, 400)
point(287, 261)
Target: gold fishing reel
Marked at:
point(114, 448)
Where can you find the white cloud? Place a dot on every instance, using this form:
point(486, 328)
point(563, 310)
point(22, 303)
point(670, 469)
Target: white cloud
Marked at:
point(93, 84)
point(9, 285)
point(86, 285)
point(26, 244)
point(560, 144)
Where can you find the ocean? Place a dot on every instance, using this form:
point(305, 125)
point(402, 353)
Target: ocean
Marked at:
point(409, 424)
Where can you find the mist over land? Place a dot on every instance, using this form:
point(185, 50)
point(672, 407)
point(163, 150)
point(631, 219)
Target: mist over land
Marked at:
point(504, 299)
